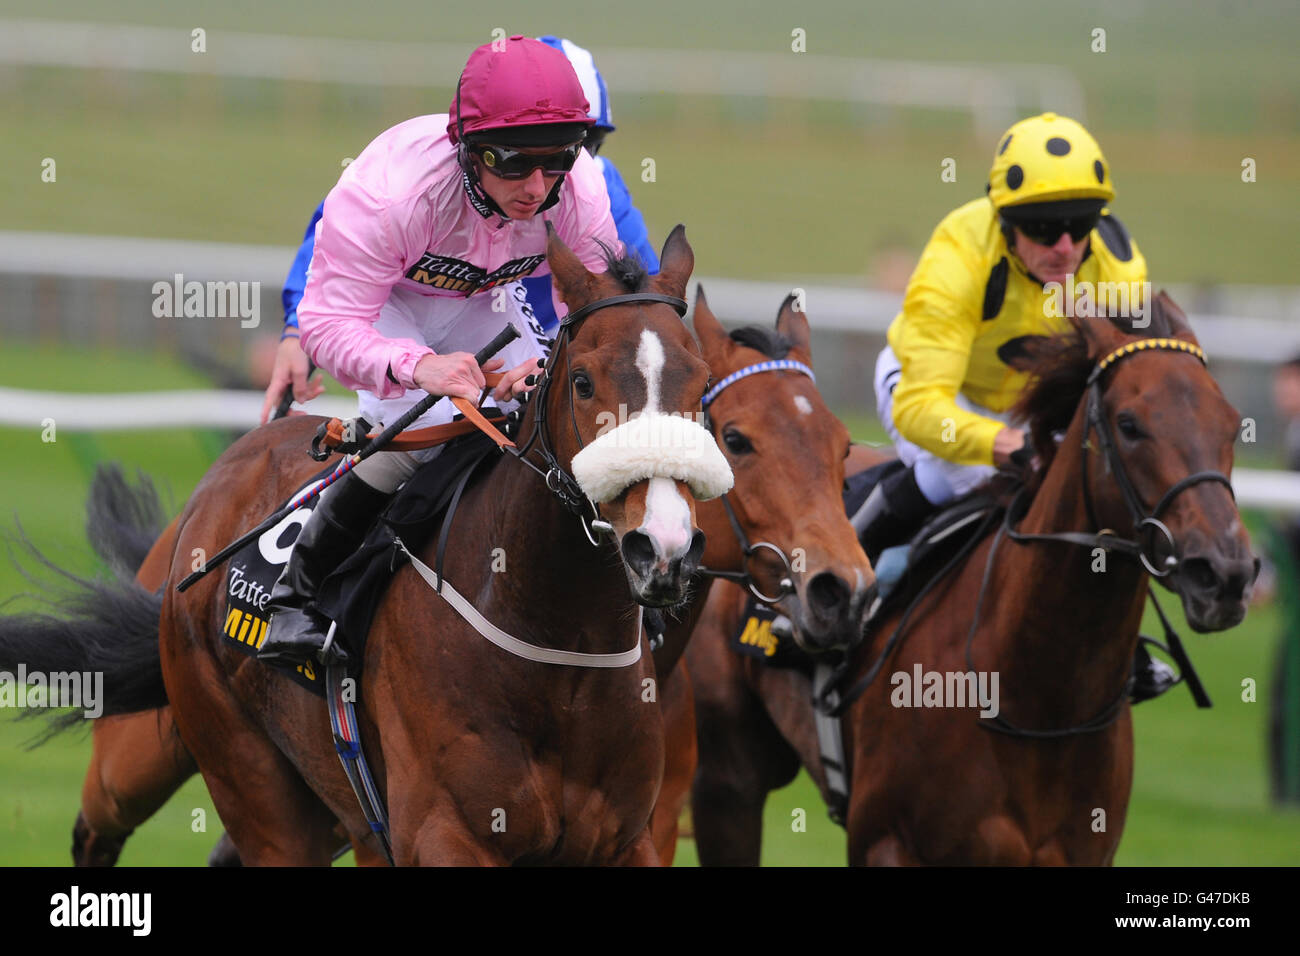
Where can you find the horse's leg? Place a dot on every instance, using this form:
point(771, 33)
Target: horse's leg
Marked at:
point(137, 761)
point(890, 852)
point(225, 853)
point(681, 755)
point(640, 852)
point(742, 755)
point(136, 764)
point(271, 814)
point(445, 840)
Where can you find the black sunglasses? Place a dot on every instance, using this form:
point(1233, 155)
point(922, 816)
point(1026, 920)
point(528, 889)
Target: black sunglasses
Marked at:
point(512, 164)
point(1047, 232)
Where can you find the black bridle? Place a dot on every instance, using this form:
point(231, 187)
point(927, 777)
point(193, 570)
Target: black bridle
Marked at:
point(1142, 518)
point(745, 577)
point(1104, 538)
point(558, 479)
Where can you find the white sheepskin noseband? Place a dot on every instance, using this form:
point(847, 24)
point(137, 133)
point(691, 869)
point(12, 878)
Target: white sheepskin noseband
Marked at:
point(652, 446)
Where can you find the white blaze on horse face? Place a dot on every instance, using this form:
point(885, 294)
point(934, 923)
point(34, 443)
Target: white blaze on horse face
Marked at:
point(652, 444)
point(650, 362)
point(667, 519)
point(667, 515)
point(802, 403)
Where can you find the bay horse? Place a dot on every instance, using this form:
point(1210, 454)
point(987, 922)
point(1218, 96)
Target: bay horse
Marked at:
point(781, 531)
point(787, 453)
point(483, 758)
point(1048, 780)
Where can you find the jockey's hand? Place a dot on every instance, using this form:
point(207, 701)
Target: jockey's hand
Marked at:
point(512, 382)
point(1005, 444)
point(290, 367)
point(455, 375)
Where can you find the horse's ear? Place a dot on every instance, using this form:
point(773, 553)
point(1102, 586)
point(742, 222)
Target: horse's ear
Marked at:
point(676, 263)
point(573, 281)
point(713, 337)
point(1023, 352)
point(1100, 333)
point(1165, 313)
point(793, 324)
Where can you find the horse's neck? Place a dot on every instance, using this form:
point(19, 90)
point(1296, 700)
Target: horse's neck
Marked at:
point(722, 549)
point(558, 589)
point(1080, 608)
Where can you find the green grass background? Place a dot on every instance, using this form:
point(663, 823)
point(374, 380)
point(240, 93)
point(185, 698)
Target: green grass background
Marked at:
point(1200, 791)
point(768, 189)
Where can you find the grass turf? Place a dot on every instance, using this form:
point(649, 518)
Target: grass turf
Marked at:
point(1200, 793)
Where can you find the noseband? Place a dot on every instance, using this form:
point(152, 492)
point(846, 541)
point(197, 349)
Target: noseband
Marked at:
point(1142, 518)
point(745, 577)
point(832, 703)
point(558, 479)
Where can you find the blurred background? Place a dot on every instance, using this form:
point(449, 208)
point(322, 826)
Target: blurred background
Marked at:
point(802, 144)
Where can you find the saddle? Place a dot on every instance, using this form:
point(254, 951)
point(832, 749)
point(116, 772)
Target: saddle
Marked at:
point(423, 506)
point(936, 547)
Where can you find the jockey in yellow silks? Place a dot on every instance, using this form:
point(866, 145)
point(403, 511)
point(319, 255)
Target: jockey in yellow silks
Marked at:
point(995, 269)
point(1010, 264)
point(1043, 243)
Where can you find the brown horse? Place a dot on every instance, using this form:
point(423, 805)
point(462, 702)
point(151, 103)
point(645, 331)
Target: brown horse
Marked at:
point(1047, 780)
point(786, 451)
point(483, 757)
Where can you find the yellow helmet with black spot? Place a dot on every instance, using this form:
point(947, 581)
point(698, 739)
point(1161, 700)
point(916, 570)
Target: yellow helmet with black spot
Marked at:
point(1047, 159)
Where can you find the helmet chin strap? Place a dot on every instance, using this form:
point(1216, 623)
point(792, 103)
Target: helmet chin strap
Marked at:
point(483, 203)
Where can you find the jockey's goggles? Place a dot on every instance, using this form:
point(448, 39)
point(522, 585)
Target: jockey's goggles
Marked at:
point(1047, 232)
point(508, 163)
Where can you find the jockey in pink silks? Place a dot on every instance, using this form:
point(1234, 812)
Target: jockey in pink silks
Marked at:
point(418, 250)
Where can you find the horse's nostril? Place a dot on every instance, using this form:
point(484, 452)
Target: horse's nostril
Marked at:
point(1240, 576)
point(1200, 574)
point(1225, 579)
point(638, 551)
point(827, 594)
point(691, 560)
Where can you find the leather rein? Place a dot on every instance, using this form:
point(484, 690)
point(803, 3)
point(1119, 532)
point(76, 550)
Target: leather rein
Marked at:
point(558, 478)
point(1105, 538)
point(745, 577)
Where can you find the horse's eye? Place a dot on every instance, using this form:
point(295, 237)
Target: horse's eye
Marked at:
point(583, 385)
point(1128, 426)
point(736, 443)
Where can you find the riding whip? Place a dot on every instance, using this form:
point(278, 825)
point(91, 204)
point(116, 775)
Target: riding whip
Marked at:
point(503, 338)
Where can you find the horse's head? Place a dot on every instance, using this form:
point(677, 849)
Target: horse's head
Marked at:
point(787, 452)
point(622, 414)
point(1159, 450)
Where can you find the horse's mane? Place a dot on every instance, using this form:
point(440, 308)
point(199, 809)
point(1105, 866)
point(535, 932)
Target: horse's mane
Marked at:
point(762, 339)
point(1058, 368)
point(628, 269)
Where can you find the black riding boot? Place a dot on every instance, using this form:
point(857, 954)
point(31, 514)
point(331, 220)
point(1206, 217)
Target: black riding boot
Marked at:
point(338, 525)
point(892, 513)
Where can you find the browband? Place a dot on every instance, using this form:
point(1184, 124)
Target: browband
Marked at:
point(678, 304)
point(1173, 345)
point(775, 365)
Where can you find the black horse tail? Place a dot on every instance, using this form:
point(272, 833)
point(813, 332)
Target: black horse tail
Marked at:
point(122, 522)
point(105, 626)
